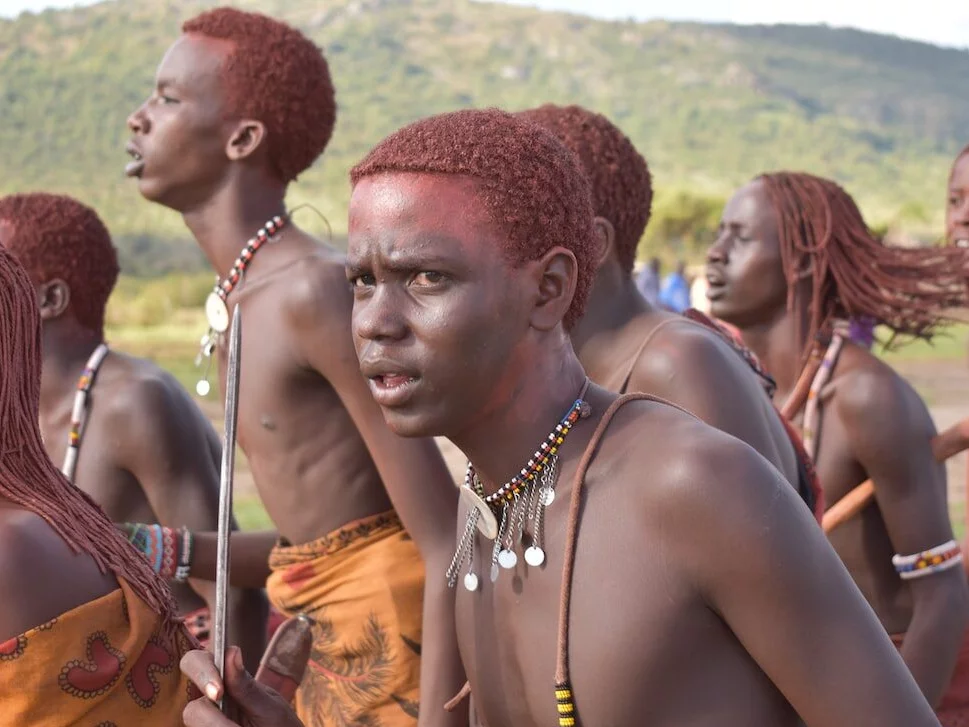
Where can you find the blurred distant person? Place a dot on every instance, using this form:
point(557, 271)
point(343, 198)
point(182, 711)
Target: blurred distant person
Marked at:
point(648, 281)
point(674, 295)
point(957, 202)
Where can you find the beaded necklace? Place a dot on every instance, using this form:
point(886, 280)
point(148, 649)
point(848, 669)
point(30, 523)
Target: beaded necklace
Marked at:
point(526, 495)
point(79, 411)
point(216, 305)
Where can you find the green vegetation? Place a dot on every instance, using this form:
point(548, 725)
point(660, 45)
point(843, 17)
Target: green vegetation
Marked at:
point(709, 105)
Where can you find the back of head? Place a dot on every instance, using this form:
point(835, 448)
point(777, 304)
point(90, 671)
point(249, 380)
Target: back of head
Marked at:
point(276, 75)
point(53, 237)
point(528, 183)
point(28, 478)
point(823, 238)
point(622, 188)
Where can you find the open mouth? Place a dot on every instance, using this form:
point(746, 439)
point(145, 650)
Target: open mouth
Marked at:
point(137, 163)
point(392, 388)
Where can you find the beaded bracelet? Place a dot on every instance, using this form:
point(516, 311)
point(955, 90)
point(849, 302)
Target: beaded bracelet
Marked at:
point(185, 556)
point(938, 559)
point(168, 551)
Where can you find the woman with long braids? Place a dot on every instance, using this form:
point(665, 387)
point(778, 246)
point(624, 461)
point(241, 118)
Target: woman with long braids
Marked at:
point(792, 259)
point(88, 632)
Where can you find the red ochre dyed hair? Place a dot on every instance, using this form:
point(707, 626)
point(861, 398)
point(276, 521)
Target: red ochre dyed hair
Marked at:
point(28, 478)
point(622, 187)
point(529, 184)
point(824, 238)
point(276, 75)
point(58, 237)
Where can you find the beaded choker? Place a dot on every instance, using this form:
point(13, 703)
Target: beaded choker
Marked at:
point(524, 496)
point(216, 306)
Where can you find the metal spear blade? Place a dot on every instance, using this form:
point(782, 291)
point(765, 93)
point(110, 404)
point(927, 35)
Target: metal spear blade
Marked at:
point(225, 494)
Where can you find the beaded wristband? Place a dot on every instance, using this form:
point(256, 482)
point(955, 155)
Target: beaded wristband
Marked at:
point(185, 556)
point(938, 559)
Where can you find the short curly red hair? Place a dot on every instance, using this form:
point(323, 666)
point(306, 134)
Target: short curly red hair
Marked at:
point(278, 76)
point(58, 237)
point(622, 187)
point(529, 184)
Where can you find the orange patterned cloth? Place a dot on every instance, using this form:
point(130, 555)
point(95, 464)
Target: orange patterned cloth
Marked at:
point(102, 664)
point(363, 585)
point(953, 710)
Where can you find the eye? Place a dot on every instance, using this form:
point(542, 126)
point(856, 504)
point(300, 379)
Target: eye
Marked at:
point(364, 280)
point(429, 277)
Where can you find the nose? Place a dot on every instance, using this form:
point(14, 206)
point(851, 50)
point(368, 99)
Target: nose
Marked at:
point(378, 317)
point(138, 121)
point(717, 252)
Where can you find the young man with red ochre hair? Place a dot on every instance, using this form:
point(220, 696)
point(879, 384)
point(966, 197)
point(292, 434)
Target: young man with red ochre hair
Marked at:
point(123, 430)
point(626, 344)
point(88, 633)
point(792, 258)
point(603, 576)
point(242, 105)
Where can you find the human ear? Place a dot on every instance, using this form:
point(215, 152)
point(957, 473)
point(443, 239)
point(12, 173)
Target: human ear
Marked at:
point(53, 299)
point(554, 276)
point(605, 239)
point(245, 139)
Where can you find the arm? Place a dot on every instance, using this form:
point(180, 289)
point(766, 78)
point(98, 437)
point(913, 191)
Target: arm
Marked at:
point(910, 489)
point(250, 557)
point(758, 559)
point(178, 476)
point(689, 366)
point(416, 478)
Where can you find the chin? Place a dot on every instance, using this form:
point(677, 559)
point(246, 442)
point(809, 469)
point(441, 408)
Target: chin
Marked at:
point(411, 424)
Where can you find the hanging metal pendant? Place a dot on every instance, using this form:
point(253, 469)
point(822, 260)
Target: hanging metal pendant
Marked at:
point(507, 559)
point(217, 313)
point(487, 522)
point(202, 388)
point(471, 581)
point(534, 556)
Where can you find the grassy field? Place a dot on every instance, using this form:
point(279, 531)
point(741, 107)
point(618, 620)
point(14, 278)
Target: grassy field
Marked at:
point(173, 346)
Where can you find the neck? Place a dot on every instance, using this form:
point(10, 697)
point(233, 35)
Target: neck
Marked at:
point(228, 219)
point(66, 351)
point(500, 442)
point(613, 303)
point(781, 345)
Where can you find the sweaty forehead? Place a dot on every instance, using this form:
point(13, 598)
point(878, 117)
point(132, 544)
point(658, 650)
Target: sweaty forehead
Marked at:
point(193, 64)
point(426, 214)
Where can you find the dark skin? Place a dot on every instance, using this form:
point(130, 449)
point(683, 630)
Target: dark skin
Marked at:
point(738, 588)
point(684, 363)
point(957, 204)
point(48, 578)
point(873, 425)
point(319, 449)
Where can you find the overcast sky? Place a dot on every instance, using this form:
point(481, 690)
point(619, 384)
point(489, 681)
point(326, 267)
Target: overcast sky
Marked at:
point(945, 22)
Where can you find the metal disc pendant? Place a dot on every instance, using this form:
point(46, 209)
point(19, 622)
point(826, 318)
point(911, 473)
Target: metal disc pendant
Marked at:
point(507, 559)
point(202, 388)
point(471, 582)
point(534, 556)
point(487, 523)
point(494, 572)
point(548, 496)
point(217, 313)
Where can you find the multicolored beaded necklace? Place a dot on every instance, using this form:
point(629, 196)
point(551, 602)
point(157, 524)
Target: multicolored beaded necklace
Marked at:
point(216, 305)
point(820, 374)
point(524, 496)
point(79, 411)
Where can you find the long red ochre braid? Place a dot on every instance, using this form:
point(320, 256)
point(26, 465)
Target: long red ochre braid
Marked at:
point(824, 238)
point(28, 477)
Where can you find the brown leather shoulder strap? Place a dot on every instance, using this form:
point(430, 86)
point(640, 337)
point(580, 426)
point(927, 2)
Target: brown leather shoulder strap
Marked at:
point(620, 384)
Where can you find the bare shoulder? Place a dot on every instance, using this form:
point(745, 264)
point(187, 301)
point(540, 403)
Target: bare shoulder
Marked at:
point(865, 389)
point(47, 578)
point(317, 293)
point(685, 346)
point(144, 396)
point(683, 462)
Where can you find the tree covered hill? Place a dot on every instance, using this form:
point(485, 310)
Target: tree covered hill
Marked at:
point(708, 105)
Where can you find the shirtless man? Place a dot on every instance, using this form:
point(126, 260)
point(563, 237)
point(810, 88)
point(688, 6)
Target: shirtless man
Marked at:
point(627, 344)
point(88, 633)
point(143, 450)
point(242, 105)
point(698, 574)
point(793, 255)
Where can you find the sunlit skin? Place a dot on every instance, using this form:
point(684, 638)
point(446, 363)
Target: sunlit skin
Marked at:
point(320, 452)
point(873, 425)
point(957, 204)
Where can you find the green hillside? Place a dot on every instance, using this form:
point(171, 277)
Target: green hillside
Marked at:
point(709, 105)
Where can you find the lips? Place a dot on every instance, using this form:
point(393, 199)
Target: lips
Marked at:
point(391, 384)
point(135, 167)
point(716, 283)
